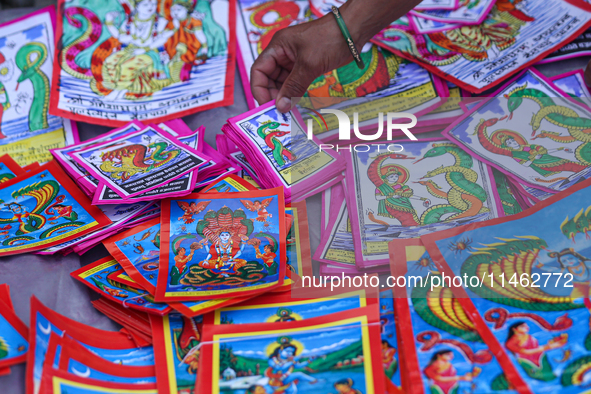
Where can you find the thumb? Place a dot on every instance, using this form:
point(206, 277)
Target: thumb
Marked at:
point(295, 85)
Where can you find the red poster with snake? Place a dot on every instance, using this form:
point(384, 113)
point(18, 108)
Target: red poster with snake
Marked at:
point(515, 35)
point(44, 208)
point(147, 60)
point(524, 281)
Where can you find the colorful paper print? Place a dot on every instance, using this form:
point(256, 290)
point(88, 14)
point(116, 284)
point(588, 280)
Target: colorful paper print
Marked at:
point(44, 208)
point(112, 346)
point(185, 52)
point(439, 338)
point(285, 307)
point(13, 338)
point(517, 133)
point(530, 33)
point(219, 244)
point(176, 339)
point(391, 195)
point(27, 131)
point(539, 325)
point(326, 354)
point(96, 276)
point(139, 162)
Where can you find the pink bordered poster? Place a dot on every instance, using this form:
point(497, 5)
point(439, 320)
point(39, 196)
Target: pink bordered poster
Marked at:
point(426, 5)
point(63, 155)
point(430, 185)
point(307, 166)
point(573, 84)
point(172, 159)
point(27, 131)
point(530, 33)
point(472, 12)
point(142, 59)
point(531, 131)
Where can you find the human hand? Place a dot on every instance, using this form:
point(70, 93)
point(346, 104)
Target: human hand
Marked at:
point(549, 346)
point(299, 54)
point(296, 56)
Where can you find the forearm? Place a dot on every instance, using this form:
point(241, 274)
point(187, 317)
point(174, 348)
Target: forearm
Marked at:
point(366, 18)
point(405, 193)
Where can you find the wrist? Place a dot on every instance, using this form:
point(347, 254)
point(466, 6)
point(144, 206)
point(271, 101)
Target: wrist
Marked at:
point(366, 18)
point(358, 33)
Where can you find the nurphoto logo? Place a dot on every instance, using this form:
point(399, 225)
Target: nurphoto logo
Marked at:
point(345, 129)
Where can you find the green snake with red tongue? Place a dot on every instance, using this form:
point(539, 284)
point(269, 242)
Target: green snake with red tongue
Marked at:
point(579, 128)
point(272, 140)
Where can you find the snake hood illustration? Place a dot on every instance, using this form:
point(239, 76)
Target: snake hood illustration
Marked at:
point(225, 220)
point(579, 224)
point(514, 255)
point(438, 307)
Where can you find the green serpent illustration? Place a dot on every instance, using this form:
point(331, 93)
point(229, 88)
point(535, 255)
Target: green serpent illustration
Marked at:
point(29, 59)
point(55, 229)
point(466, 198)
point(578, 128)
point(435, 306)
point(3, 348)
point(510, 204)
point(272, 140)
point(123, 163)
point(19, 238)
point(513, 256)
